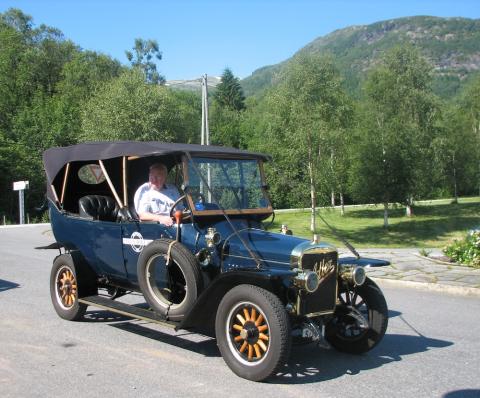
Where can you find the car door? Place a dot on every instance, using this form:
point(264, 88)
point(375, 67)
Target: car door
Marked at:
point(135, 236)
point(109, 249)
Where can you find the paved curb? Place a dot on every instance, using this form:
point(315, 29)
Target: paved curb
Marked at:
point(440, 261)
point(23, 225)
point(433, 287)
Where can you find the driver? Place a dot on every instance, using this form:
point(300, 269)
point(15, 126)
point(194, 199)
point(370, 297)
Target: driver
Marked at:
point(154, 199)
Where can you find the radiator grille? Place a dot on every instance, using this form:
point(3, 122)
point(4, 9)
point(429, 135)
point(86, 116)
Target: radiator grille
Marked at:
point(322, 300)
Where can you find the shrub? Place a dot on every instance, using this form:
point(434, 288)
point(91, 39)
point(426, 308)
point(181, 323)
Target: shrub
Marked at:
point(465, 251)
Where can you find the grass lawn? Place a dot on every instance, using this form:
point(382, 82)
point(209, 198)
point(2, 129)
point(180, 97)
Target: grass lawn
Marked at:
point(433, 225)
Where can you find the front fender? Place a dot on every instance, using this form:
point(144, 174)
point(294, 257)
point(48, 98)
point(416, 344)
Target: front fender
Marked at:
point(363, 261)
point(202, 315)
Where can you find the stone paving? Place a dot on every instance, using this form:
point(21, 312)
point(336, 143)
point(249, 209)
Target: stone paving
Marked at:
point(410, 268)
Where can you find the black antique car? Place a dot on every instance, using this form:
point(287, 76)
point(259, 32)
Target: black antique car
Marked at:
point(217, 270)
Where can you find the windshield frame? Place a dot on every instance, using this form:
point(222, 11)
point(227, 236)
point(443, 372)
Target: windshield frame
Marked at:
point(267, 210)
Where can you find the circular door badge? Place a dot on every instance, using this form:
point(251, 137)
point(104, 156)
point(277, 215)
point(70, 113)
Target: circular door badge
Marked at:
point(136, 242)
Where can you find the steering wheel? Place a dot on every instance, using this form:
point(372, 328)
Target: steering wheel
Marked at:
point(185, 212)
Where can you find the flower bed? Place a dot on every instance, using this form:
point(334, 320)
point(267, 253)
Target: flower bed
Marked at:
point(465, 251)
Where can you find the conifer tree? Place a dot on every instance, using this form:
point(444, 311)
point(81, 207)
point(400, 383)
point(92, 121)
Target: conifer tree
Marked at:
point(229, 93)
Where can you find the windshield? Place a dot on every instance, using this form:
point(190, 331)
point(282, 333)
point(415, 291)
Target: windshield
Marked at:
point(235, 184)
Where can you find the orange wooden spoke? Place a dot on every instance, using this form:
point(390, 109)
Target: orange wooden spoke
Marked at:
point(238, 338)
point(259, 320)
point(257, 351)
point(247, 315)
point(263, 336)
point(250, 352)
point(238, 327)
point(240, 318)
point(243, 347)
point(262, 344)
point(254, 314)
point(262, 328)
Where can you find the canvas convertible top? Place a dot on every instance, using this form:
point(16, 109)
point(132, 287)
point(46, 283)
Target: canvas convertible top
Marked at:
point(54, 159)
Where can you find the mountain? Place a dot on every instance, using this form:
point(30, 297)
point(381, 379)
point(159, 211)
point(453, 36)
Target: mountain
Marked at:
point(452, 45)
point(193, 84)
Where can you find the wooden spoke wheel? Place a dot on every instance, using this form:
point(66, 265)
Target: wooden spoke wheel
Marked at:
point(360, 320)
point(66, 283)
point(249, 332)
point(253, 332)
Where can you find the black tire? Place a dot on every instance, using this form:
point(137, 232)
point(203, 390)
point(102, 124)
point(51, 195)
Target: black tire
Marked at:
point(346, 331)
point(65, 282)
point(171, 291)
point(256, 348)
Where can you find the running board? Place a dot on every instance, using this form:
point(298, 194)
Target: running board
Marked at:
point(128, 310)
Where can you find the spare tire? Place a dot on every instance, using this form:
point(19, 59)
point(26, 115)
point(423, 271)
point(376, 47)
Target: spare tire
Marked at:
point(170, 289)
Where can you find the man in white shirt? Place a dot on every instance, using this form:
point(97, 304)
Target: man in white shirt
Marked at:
point(154, 199)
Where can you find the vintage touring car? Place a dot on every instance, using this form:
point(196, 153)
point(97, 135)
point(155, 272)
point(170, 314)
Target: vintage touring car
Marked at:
point(216, 270)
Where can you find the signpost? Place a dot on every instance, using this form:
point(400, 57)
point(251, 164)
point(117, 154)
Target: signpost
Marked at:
point(20, 186)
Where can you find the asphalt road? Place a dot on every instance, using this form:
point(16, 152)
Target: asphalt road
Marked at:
point(431, 349)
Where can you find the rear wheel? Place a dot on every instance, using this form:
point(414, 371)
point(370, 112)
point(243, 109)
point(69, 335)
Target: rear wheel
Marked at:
point(361, 319)
point(64, 286)
point(253, 332)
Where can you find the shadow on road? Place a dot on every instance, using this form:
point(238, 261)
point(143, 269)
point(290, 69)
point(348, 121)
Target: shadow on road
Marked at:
point(309, 364)
point(7, 285)
point(104, 316)
point(182, 339)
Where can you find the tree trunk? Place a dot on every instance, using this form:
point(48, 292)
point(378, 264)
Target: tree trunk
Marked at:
point(455, 193)
point(342, 205)
point(385, 215)
point(312, 194)
point(332, 196)
point(409, 209)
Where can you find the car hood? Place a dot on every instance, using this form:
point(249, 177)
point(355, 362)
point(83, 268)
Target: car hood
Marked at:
point(274, 249)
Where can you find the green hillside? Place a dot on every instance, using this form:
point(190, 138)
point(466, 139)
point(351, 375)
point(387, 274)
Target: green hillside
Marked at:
point(452, 45)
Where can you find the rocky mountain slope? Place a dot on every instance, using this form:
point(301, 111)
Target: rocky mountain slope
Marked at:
point(452, 45)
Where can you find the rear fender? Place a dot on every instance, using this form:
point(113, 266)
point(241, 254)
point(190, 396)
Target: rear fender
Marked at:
point(86, 277)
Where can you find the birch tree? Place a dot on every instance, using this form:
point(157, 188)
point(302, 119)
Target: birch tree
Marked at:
point(393, 162)
point(309, 111)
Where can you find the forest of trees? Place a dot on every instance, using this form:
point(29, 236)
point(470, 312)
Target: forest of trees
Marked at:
point(397, 143)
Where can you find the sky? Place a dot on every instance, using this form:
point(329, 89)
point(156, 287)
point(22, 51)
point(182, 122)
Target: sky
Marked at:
point(198, 37)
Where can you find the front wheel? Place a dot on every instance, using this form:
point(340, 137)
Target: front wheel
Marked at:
point(361, 319)
point(253, 332)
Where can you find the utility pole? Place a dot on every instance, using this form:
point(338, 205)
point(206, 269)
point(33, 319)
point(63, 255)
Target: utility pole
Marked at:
point(205, 139)
point(205, 133)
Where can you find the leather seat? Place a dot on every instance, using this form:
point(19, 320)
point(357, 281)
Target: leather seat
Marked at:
point(98, 207)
